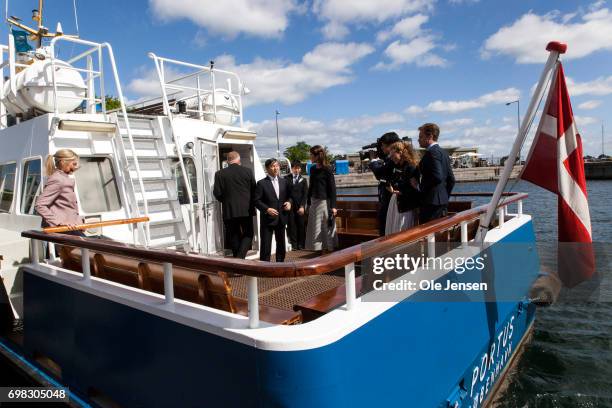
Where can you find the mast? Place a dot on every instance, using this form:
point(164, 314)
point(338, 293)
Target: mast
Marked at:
point(555, 49)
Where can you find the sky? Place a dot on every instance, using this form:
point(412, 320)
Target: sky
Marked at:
point(341, 73)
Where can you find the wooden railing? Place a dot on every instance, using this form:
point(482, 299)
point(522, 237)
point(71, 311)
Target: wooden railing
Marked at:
point(345, 258)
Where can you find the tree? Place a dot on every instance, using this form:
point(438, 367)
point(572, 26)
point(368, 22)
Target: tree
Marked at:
point(298, 152)
point(112, 102)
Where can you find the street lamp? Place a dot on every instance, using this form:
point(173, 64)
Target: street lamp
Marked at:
point(277, 139)
point(518, 120)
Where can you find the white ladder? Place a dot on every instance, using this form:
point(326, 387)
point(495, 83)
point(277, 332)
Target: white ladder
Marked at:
point(166, 227)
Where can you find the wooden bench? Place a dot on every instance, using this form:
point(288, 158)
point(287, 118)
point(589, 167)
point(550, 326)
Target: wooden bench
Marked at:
point(325, 302)
point(202, 287)
point(356, 222)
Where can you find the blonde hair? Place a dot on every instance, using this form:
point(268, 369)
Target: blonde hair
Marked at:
point(407, 153)
point(53, 161)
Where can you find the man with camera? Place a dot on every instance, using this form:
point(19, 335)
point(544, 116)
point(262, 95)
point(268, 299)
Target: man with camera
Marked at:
point(383, 171)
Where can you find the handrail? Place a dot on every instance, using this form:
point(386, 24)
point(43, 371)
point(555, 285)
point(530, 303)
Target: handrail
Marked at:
point(317, 266)
point(91, 225)
point(464, 194)
point(185, 176)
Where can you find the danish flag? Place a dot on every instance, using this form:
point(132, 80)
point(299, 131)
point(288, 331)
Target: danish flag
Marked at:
point(555, 163)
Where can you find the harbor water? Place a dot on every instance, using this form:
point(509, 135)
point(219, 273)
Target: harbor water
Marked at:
point(568, 363)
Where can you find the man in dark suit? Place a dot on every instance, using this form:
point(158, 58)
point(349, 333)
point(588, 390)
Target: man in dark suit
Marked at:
point(272, 199)
point(235, 187)
point(299, 195)
point(437, 179)
point(383, 171)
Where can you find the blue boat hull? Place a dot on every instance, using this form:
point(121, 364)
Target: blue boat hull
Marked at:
point(418, 353)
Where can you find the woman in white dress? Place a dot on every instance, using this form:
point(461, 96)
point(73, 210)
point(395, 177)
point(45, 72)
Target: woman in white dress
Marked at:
point(404, 185)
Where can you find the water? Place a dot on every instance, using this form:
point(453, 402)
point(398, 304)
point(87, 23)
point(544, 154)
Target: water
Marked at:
point(569, 361)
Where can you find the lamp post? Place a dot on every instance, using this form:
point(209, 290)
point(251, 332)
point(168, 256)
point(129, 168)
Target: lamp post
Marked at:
point(277, 139)
point(518, 120)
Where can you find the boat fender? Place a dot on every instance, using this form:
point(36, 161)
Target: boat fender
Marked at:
point(545, 290)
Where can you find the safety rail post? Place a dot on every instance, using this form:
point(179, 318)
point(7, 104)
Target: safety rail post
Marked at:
point(3, 114)
point(519, 207)
point(91, 95)
point(431, 246)
point(213, 86)
point(55, 109)
point(168, 283)
point(501, 215)
point(464, 232)
point(253, 301)
point(85, 264)
point(35, 255)
point(349, 282)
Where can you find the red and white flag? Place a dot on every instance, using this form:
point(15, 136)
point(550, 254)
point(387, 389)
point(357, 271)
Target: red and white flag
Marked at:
point(555, 163)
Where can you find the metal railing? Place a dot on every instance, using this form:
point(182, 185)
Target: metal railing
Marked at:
point(92, 101)
point(202, 74)
point(345, 258)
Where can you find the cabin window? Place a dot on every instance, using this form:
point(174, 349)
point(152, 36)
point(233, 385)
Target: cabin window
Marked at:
point(30, 185)
point(191, 175)
point(7, 186)
point(97, 185)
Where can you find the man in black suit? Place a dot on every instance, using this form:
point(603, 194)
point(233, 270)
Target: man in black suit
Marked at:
point(235, 187)
point(383, 171)
point(272, 199)
point(437, 179)
point(299, 195)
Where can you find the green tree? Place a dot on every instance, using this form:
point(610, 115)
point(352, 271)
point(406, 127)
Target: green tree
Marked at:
point(112, 102)
point(298, 152)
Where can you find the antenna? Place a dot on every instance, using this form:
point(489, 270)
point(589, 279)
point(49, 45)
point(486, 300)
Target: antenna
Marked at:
point(603, 153)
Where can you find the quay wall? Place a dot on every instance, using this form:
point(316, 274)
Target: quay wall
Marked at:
point(601, 170)
point(461, 175)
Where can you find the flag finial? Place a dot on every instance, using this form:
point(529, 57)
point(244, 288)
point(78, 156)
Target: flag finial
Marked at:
point(557, 46)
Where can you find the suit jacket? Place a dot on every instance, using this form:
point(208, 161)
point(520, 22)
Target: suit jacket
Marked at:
point(409, 197)
point(234, 188)
point(57, 204)
point(265, 197)
point(299, 191)
point(437, 179)
point(383, 170)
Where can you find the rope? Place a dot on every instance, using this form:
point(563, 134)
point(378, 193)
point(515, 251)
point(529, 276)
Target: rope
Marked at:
point(76, 18)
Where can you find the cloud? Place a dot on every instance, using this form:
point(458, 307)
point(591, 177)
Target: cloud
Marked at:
point(261, 18)
point(585, 120)
point(406, 28)
point(325, 66)
point(339, 13)
point(341, 135)
point(592, 104)
point(492, 98)
point(525, 39)
point(600, 86)
point(415, 46)
point(417, 51)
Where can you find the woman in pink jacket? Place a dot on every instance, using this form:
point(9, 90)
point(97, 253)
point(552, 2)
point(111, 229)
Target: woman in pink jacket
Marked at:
point(57, 204)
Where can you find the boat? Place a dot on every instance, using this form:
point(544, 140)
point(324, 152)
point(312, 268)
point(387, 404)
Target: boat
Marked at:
point(147, 310)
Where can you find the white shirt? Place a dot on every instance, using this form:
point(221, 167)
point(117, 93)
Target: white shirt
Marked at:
point(295, 179)
point(431, 145)
point(274, 181)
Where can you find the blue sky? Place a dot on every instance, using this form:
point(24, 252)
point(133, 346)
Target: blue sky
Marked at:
point(343, 72)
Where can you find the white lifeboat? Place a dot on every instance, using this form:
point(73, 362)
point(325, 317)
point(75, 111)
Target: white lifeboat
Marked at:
point(34, 88)
point(228, 109)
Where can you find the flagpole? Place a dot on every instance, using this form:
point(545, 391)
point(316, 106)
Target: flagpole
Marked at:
point(555, 49)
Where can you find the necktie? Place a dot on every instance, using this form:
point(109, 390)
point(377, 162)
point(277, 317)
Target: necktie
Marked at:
point(275, 185)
